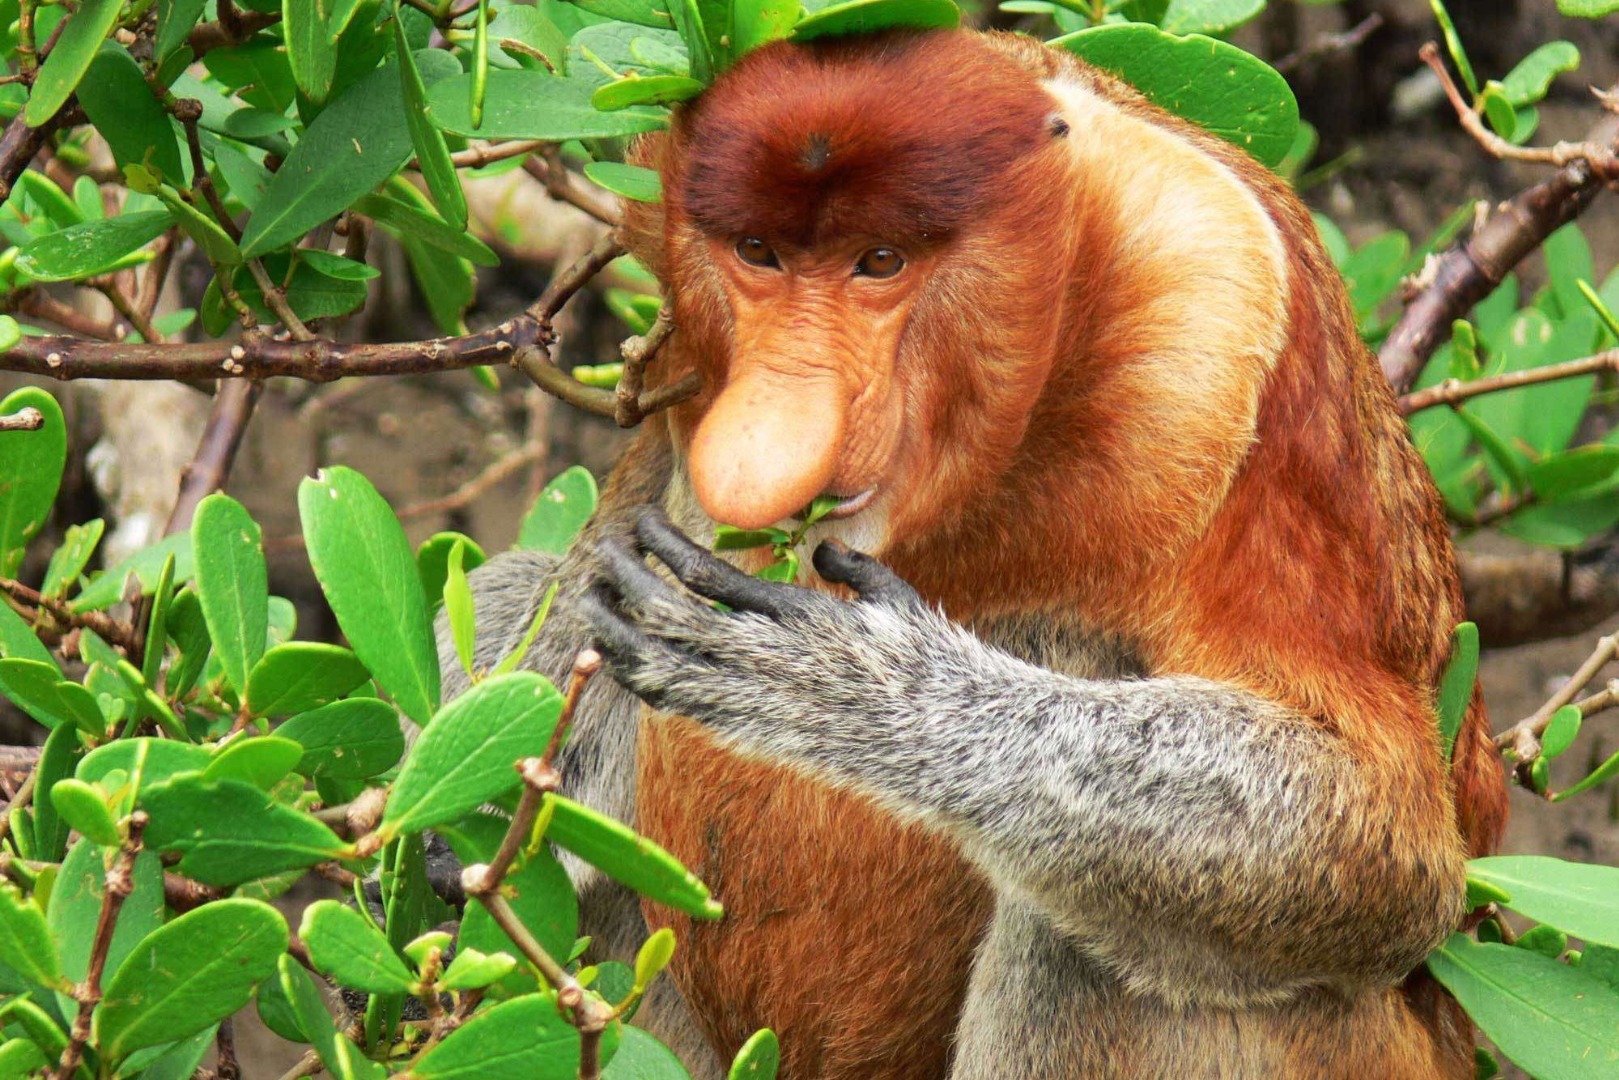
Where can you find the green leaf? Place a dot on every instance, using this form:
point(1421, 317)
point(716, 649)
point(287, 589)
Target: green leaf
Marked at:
point(542, 896)
point(146, 761)
point(645, 90)
point(172, 1061)
point(10, 333)
point(1453, 43)
point(1498, 110)
point(758, 1059)
point(85, 808)
point(870, 16)
point(232, 584)
point(190, 974)
point(1510, 464)
point(364, 564)
point(408, 221)
point(311, 49)
point(629, 859)
point(1218, 86)
point(121, 106)
point(344, 945)
point(56, 762)
point(759, 22)
point(466, 754)
point(340, 1056)
point(458, 607)
point(1528, 82)
point(1549, 1018)
point(433, 560)
point(347, 740)
point(40, 691)
point(262, 837)
point(653, 13)
point(75, 908)
point(302, 675)
point(1548, 941)
point(1558, 475)
point(20, 1057)
point(472, 969)
point(175, 18)
point(91, 248)
point(262, 761)
point(356, 143)
point(431, 153)
point(76, 46)
point(1588, 9)
point(18, 641)
point(25, 940)
point(525, 1038)
point(69, 560)
point(526, 104)
point(560, 513)
point(1208, 16)
point(653, 956)
point(41, 1029)
point(1579, 898)
point(1456, 686)
point(311, 293)
point(1596, 776)
point(30, 472)
point(1561, 731)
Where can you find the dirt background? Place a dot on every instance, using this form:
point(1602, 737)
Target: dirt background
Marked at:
point(1396, 161)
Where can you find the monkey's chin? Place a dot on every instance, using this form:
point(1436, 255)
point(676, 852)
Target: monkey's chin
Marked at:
point(850, 505)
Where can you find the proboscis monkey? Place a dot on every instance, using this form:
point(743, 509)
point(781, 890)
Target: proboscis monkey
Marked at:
point(1122, 762)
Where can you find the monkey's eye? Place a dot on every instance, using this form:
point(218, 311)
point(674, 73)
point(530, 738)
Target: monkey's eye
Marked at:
point(755, 252)
point(880, 263)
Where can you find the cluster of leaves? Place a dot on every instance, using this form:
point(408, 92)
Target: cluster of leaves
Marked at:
point(1553, 1009)
point(204, 762)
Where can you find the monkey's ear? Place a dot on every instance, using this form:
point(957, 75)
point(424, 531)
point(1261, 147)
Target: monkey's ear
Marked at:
point(876, 583)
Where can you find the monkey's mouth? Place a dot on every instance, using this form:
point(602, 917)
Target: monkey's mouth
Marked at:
point(850, 505)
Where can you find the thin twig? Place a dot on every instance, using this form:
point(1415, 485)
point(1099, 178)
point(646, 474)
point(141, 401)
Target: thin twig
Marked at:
point(547, 167)
point(481, 154)
point(1455, 391)
point(1598, 155)
point(637, 353)
point(275, 298)
point(120, 882)
point(205, 37)
point(308, 1065)
point(210, 465)
point(1328, 44)
point(126, 307)
point(1523, 738)
point(29, 419)
point(36, 303)
point(106, 626)
point(585, 666)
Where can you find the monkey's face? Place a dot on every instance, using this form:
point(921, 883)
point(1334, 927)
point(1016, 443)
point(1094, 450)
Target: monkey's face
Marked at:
point(813, 400)
point(816, 198)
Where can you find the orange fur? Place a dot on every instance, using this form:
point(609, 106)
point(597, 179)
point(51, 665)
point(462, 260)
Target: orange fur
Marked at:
point(1080, 441)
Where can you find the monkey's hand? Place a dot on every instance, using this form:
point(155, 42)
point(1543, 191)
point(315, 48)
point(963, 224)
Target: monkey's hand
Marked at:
point(785, 667)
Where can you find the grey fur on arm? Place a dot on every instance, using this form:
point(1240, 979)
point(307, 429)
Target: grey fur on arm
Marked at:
point(1200, 841)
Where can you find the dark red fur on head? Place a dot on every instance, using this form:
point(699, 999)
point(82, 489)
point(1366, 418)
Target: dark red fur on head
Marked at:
point(900, 137)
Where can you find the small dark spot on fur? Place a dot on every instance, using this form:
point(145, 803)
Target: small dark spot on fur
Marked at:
point(817, 151)
point(1059, 127)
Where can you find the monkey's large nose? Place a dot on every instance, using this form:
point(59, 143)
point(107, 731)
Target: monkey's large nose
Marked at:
point(767, 446)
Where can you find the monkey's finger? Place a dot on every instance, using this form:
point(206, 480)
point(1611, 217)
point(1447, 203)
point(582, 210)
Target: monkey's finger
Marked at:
point(632, 580)
point(842, 565)
point(706, 575)
point(629, 652)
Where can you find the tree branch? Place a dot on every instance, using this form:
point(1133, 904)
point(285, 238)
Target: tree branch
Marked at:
point(548, 169)
point(1458, 279)
point(29, 419)
point(1455, 391)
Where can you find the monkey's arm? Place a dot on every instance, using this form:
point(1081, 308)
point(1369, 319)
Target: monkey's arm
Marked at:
point(1200, 841)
